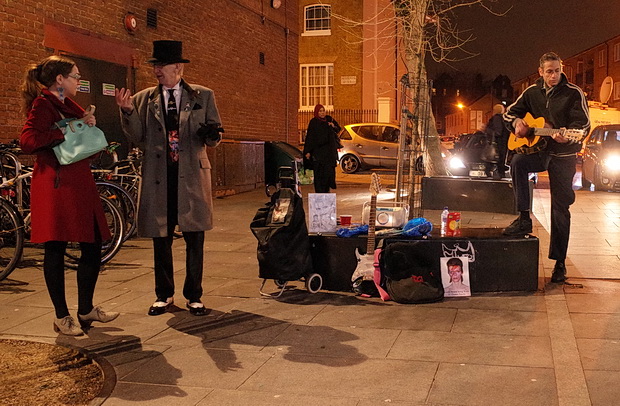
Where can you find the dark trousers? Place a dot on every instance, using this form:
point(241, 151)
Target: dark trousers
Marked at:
point(164, 270)
point(324, 177)
point(502, 150)
point(87, 274)
point(561, 173)
point(162, 247)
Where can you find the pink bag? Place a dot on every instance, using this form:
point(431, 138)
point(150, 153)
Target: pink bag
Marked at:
point(377, 277)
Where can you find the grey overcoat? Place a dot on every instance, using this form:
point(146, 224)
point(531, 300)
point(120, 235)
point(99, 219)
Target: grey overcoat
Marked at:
point(145, 127)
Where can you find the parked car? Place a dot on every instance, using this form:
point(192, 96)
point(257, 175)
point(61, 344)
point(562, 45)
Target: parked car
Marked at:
point(467, 157)
point(372, 145)
point(368, 145)
point(601, 158)
point(448, 141)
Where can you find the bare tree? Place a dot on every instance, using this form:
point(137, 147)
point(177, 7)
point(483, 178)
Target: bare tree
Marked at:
point(428, 27)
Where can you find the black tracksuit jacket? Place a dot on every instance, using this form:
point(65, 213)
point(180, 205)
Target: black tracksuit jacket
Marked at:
point(563, 106)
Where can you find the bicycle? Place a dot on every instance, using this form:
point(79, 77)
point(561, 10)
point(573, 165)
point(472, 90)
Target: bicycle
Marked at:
point(120, 181)
point(16, 192)
point(11, 238)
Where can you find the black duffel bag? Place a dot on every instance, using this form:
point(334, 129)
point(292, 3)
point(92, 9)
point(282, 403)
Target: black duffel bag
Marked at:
point(409, 277)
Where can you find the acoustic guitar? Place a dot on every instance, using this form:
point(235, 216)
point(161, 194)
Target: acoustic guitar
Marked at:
point(365, 270)
point(539, 130)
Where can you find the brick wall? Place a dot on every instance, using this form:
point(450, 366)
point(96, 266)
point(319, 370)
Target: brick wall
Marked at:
point(222, 38)
point(343, 48)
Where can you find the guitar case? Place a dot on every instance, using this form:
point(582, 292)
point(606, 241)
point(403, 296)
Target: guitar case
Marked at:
point(283, 245)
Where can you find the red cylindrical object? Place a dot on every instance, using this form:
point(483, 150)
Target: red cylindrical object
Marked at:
point(454, 224)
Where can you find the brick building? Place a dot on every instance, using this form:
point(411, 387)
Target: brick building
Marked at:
point(349, 67)
point(245, 50)
point(587, 69)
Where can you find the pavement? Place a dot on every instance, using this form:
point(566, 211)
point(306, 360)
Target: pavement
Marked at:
point(559, 345)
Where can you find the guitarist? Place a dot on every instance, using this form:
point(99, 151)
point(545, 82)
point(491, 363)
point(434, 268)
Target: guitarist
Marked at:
point(563, 105)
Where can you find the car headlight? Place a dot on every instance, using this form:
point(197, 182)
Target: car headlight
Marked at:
point(613, 163)
point(456, 163)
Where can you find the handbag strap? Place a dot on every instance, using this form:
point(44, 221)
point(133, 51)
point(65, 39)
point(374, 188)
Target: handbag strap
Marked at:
point(65, 121)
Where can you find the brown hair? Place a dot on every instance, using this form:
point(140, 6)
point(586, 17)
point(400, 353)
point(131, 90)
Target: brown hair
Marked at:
point(43, 75)
point(549, 56)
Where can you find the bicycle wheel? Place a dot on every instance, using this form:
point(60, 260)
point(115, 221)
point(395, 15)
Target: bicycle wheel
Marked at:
point(116, 224)
point(124, 202)
point(110, 247)
point(11, 238)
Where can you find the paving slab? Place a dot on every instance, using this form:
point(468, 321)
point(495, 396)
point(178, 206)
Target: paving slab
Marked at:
point(467, 384)
point(488, 349)
point(199, 367)
point(596, 325)
point(155, 395)
point(222, 397)
point(501, 322)
point(336, 342)
point(376, 314)
point(603, 387)
point(593, 303)
point(599, 354)
point(345, 377)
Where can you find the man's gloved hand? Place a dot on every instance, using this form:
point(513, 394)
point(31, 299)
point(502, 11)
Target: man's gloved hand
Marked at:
point(210, 132)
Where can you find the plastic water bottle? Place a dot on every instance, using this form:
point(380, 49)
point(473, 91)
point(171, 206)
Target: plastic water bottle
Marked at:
point(444, 220)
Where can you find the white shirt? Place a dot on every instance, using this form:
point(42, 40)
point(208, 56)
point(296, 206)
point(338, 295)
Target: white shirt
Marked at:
point(177, 95)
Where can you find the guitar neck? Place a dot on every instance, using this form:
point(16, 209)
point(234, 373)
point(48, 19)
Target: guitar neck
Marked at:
point(372, 218)
point(546, 132)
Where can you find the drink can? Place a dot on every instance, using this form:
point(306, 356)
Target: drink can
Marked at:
point(454, 223)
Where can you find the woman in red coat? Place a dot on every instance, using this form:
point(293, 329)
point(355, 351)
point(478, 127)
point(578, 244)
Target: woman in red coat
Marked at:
point(65, 204)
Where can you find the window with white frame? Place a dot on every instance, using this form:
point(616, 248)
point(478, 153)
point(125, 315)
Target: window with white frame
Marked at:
point(316, 86)
point(602, 58)
point(317, 19)
point(616, 92)
point(617, 52)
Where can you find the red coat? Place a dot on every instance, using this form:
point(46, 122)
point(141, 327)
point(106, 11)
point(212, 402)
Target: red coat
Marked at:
point(64, 204)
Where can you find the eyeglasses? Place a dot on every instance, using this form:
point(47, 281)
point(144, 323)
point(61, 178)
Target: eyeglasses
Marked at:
point(75, 76)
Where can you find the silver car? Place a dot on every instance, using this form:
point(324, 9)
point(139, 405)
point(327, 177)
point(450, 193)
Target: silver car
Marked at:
point(368, 145)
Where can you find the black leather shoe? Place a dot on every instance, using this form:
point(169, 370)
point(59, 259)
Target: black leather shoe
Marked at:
point(519, 227)
point(197, 309)
point(559, 273)
point(160, 306)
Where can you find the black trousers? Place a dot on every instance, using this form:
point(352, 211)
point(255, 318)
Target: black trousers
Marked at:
point(162, 247)
point(324, 177)
point(87, 274)
point(502, 149)
point(561, 173)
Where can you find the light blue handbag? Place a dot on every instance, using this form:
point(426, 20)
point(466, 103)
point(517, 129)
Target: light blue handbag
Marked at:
point(81, 140)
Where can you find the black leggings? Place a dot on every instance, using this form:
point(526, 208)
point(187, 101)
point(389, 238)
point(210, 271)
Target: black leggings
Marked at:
point(87, 274)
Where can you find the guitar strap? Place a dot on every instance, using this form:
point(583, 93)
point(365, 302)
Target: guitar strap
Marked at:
point(539, 146)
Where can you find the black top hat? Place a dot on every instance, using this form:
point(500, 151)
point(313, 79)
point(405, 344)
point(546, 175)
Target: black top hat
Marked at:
point(165, 52)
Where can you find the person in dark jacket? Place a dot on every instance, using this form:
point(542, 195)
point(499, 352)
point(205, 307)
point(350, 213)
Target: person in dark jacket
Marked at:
point(563, 105)
point(321, 148)
point(64, 204)
point(497, 132)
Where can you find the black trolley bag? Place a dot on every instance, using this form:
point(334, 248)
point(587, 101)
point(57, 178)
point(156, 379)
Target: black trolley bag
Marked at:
point(283, 245)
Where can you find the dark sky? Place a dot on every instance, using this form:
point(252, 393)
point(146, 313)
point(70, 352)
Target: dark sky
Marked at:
point(511, 45)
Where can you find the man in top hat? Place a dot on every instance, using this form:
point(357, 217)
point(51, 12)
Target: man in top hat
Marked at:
point(173, 122)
